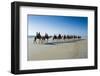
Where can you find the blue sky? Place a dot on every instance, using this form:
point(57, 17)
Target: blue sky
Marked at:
point(57, 25)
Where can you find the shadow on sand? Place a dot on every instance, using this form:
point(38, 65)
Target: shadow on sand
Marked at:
point(54, 43)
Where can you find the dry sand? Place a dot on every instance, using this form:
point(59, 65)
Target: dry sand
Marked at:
point(73, 49)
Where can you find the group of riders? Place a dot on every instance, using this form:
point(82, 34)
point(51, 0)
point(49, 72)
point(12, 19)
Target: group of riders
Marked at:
point(54, 37)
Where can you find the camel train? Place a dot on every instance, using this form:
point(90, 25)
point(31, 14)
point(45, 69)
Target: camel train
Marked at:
point(46, 37)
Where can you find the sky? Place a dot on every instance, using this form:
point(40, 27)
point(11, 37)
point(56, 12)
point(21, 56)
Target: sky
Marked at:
point(69, 25)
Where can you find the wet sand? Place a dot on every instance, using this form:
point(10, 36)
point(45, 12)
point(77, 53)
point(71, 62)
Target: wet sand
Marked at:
point(69, 49)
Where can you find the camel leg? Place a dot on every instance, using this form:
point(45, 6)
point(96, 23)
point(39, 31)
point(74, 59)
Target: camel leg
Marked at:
point(47, 40)
point(34, 41)
point(42, 41)
point(39, 41)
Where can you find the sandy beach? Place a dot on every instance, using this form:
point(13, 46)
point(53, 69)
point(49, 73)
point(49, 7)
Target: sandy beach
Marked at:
point(69, 49)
